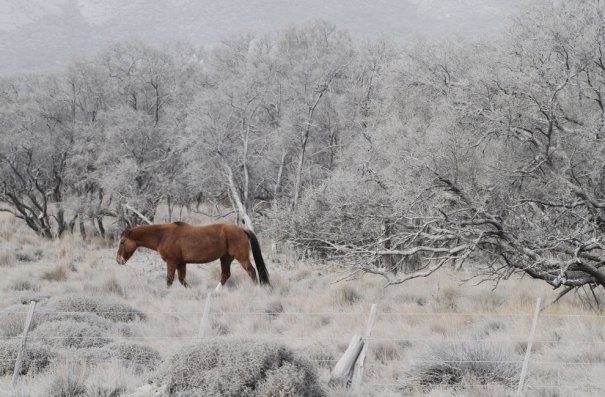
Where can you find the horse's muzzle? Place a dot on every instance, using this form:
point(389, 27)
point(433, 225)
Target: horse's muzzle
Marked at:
point(120, 260)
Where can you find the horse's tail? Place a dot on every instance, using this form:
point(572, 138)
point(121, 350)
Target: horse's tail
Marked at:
point(263, 275)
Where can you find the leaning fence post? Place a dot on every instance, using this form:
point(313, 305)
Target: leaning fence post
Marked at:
point(341, 374)
point(28, 321)
point(532, 333)
point(205, 315)
point(358, 374)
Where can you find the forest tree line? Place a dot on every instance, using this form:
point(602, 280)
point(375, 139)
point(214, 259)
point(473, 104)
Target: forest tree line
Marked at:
point(377, 153)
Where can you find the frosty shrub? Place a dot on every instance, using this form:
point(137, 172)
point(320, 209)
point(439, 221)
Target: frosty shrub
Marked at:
point(229, 366)
point(71, 334)
point(133, 355)
point(111, 310)
point(35, 358)
point(324, 354)
point(83, 317)
point(452, 363)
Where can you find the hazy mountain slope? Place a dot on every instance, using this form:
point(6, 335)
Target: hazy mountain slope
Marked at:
point(41, 34)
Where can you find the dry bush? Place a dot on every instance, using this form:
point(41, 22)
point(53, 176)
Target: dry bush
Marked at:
point(35, 359)
point(58, 273)
point(71, 334)
point(230, 366)
point(114, 311)
point(453, 363)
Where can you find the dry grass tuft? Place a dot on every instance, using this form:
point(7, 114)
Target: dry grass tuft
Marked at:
point(6, 258)
point(68, 383)
point(385, 351)
point(230, 366)
point(447, 299)
point(58, 273)
point(23, 285)
point(346, 294)
point(273, 309)
point(455, 363)
point(112, 285)
point(29, 255)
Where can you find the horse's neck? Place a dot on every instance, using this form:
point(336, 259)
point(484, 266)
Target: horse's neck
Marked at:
point(148, 236)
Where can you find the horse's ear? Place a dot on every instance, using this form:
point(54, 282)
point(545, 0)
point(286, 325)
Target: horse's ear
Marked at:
point(126, 233)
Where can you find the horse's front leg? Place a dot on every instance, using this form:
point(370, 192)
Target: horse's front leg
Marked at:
point(171, 266)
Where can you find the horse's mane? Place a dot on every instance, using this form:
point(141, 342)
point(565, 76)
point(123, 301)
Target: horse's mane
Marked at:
point(180, 223)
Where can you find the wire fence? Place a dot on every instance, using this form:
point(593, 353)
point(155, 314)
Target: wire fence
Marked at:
point(581, 373)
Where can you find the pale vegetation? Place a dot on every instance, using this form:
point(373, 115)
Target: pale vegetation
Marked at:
point(430, 338)
point(359, 165)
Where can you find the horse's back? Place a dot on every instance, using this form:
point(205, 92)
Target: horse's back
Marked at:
point(200, 244)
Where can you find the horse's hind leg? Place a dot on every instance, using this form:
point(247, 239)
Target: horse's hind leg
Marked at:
point(181, 270)
point(247, 265)
point(225, 268)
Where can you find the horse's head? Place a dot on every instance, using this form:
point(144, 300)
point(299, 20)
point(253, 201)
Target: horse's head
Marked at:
point(126, 248)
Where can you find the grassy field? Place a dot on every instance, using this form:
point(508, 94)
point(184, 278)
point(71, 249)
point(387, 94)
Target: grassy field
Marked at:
point(435, 336)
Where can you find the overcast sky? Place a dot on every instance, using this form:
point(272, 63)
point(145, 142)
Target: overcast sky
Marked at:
point(47, 34)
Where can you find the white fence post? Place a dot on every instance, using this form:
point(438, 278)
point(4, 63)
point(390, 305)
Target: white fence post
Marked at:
point(28, 320)
point(532, 333)
point(204, 321)
point(358, 374)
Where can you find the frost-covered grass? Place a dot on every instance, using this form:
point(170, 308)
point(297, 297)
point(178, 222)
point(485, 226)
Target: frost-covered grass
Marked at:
point(118, 324)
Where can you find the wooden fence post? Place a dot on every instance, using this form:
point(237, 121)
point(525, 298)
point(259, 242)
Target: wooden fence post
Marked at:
point(204, 321)
point(28, 321)
point(341, 374)
point(532, 333)
point(359, 364)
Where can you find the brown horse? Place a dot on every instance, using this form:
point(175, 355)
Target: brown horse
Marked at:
point(180, 243)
